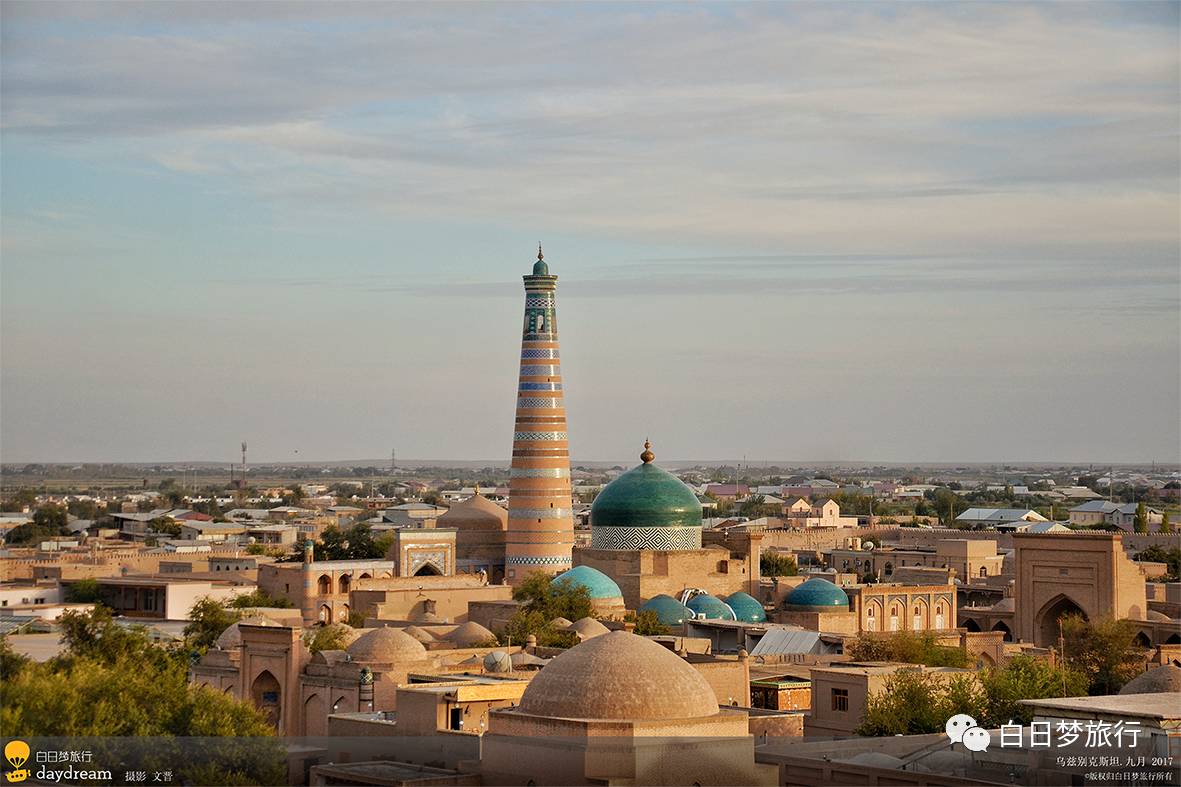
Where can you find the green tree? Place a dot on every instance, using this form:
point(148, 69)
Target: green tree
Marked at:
point(354, 543)
point(258, 598)
point(1165, 525)
point(914, 703)
point(83, 591)
point(1170, 557)
point(207, 620)
point(648, 624)
point(111, 680)
point(1141, 520)
point(1024, 678)
point(1102, 650)
point(48, 521)
point(330, 637)
point(909, 648)
point(163, 524)
point(772, 564)
point(543, 600)
point(751, 506)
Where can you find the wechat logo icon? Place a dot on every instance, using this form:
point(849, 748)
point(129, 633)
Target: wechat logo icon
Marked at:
point(962, 728)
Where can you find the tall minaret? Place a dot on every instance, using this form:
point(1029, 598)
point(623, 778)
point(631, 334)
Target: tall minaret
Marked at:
point(540, 516)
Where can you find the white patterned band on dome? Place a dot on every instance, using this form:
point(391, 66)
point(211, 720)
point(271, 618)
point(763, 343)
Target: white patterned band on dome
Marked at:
point(528, 436)
point(530, 560)
point(540, 513)
point(537, 402)
point(534, 302)
point(540, 371)
point(540, 472)
point(665, 538)
point(539, 352)
point(539, 387)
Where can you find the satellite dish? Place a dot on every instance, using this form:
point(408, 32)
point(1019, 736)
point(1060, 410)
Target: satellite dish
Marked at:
point(498, 661)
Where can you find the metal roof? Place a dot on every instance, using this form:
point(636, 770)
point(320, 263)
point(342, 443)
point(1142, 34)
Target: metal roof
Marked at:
point(785, 640)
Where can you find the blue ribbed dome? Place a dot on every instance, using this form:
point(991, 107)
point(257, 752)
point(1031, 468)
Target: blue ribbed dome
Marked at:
point(707, 607)
point(596, 582)
point(817, 595)
point(747, 607)
point(670, 611)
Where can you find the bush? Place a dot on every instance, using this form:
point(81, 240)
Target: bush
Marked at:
point(915, 703)
point(909, 648)
point(772, 564)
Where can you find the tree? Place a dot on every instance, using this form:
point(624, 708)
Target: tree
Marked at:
point(1102, 650)
point(913, 702)
point(83, 591)
point(1165, 525)
point(772, 564)
point(909, 648)
point(543, 600)
point(1170, 557)
point(355, 543)
point(330, 637)
point(1024, 678)
point(1141, 520)
point(163, 524)
point(258, 598)
point(207, 620)
point(112, 680)
point(648, 624)
point(554, 599)
point(48, 521)
point(752, 506)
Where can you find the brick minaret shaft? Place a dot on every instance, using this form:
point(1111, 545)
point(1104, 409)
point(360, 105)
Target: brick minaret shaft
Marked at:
point(540, 516)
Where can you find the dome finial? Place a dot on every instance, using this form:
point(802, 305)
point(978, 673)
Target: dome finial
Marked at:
point(540, 256)
point(647, 456)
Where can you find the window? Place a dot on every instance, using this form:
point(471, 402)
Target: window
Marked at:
point(984, 571)
point(840, 700)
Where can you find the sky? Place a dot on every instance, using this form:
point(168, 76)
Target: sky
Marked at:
point(790, 232)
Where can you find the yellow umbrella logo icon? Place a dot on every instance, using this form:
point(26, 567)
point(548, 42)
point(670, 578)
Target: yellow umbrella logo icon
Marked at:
point(17, 753)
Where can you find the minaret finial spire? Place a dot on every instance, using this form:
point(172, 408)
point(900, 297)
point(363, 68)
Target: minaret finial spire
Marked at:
point(647, 456)
point(540, 256)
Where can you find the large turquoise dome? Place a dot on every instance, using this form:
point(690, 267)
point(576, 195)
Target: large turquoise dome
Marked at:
point(668, 610)
point(707, 607)
point(646, 508)
point(817, 595)
point(747, 607)
point(598, 584)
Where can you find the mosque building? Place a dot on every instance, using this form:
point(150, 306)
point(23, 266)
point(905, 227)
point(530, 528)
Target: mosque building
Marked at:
point(540, 513)
point(646, 536)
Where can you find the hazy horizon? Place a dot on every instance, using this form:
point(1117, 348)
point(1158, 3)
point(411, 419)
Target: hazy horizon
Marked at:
point(949, 231)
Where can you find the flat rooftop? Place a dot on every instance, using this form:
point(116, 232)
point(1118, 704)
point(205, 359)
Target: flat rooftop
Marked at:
point(1165, 706)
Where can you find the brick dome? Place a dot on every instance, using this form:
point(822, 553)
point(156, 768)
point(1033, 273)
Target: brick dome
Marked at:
point(475, 513)
point(232, 637)
point(469, 635)
point(386, 645)
point(1165, 678)
point(619, 676)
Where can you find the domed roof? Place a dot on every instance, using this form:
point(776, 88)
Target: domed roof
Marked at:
point(668, 610)
point(475, 513)
point(422, 635)
point(646, 496)
point(586, 628)
point(707, 607)
point(619, 676)
point(598, 584)
point(1158, 617)
point(817, 594)
point(385, 645)
point(1007, 604)
point(747, 607)
point(539, 267)
point(232, 636)
point(1165, 678)
point(469, 635)
point(560, 623)
point(425, 617)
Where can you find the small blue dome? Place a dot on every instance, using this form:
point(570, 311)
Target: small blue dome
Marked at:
point(596, 582)
point(707, 607)
point(670, 611)
point(817, 595)
point(747, 607)
point(540, 268)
